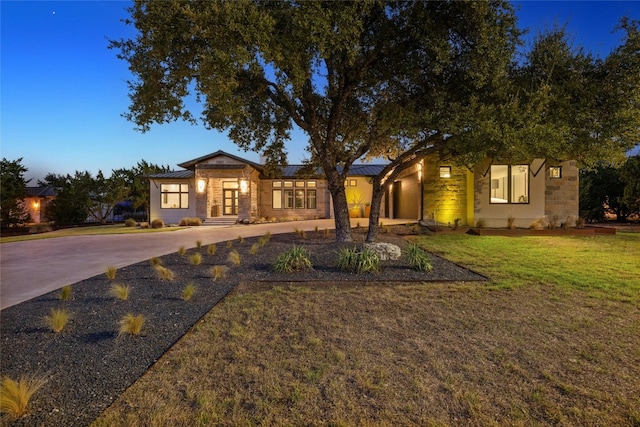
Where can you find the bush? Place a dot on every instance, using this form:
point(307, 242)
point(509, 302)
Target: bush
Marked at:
point(131, 324)
point(57, 319)
point(40, 228)
point(365, 261)
point(418, 258)
point(188, 221)
point(110, 272)
point(219, 271)
point(120, 292)
point(234, 257)
point(164, 273)
point(65, 293)
point(157, 223)
point(188, 291)
point(295, 259)
point(196, 258)
point(130, 222)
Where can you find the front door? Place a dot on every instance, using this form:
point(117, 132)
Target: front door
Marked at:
point(230, 198)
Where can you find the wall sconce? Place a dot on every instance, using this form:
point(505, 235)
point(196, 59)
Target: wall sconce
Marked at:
point(201, 185)
point(244, 185)
point(36, 204)
point(445, 171)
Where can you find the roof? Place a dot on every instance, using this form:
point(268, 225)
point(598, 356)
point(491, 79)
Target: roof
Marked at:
point(190, 164)
point(42, 191)
point(183, 174)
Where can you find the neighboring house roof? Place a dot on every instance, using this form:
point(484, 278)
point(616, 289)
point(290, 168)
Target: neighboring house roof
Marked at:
point(190, 164)
point(42, 191)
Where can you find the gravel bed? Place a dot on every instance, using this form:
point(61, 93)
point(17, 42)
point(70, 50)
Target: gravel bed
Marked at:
point(88, 365)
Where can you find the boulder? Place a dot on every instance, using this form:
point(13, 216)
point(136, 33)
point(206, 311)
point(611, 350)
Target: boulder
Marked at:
point(385, 251)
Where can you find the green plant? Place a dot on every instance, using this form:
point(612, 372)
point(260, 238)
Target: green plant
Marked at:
point(130, 222)
point(120, 292)
point(164, 273)
point(219, 271)
point(196, 258)
point(418, 258)
point(234, 257)
point(57, 319)
point(240, 239)
point(262, 241)
point(65, 293)
point(188, 291)
point(131, 324)
point(15, 395)
point(182, 251)
point(300, 233)
point(199, 244)
point(157, 223)
point(295, 259)
point(110, 272)
point(211, 249)
point(364, 261)
point(254, 248)
point(155, 261)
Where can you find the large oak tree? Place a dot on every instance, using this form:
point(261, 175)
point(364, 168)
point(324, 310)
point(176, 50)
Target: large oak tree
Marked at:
point(354, 76)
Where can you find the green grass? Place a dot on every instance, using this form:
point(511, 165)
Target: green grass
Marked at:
point(602, 265)
point(84, 231)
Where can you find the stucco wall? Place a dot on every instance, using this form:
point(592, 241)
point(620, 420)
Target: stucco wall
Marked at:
point(406, 195)
point(171, 216)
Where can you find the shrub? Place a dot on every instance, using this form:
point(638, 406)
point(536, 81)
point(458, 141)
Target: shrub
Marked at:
point(254, 248)
point(234, 257)
point(157, 223)
point(211, 249)
point(365, 261)
point(511, 222)
point(199, 244)
point(229, 244)
point(196, 259)
point(295, 259)
point(15, 395)
point(240, 239)
point(131, 324)
point(120, 292)
point(553, 223)
point(481, 223)
point(57, 319)
point(40, 228)
point(111, 272)
point(188, 291)
point(418, 258)
point(539, 223)
point(300, 233)
point(65, 293)
point(155, 261)
point(130, 222)
point(219, 271)
point(182, 251)
point(580, 222)
point(188, 221)
point(262, 241)
point(164, 273)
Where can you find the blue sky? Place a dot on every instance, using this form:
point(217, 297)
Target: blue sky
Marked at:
point(62, 91)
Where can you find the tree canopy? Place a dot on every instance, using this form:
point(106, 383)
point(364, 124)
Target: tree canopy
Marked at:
point(13, 190)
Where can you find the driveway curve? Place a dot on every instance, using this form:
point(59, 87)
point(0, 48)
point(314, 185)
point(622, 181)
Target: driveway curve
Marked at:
point(32, 268)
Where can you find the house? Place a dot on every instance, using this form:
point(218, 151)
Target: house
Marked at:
point(223, 185)
point(36, 201)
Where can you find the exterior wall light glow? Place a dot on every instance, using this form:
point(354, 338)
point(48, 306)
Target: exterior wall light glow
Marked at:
point(201, 185)
point(445, 171)
point(244, 186)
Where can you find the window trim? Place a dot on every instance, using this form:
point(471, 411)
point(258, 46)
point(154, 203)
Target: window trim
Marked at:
point(509, 189)
point(183, 190)
point(555, 172)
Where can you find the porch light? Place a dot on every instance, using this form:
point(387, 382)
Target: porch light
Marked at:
point(244, 186)
point(36, 204)
point(201, 185)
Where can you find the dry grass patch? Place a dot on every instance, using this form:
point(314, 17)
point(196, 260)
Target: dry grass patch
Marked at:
point(417, 355)
point(57, 319)
point(164, 273)
point(120, 292)
point(110, 272)
point(15, 395)
point(65, 293)
point(131, 324)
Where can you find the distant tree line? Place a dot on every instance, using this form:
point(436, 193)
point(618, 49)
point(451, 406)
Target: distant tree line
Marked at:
point(81, 197)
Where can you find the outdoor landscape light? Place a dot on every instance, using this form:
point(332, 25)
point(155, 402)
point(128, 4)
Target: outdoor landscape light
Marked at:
point(201, 185)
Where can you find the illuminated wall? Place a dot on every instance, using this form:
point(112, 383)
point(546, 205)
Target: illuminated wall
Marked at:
point(446, 197)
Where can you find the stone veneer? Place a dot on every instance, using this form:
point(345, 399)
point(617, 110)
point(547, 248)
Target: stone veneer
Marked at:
point(562, 194)
point(445, 199)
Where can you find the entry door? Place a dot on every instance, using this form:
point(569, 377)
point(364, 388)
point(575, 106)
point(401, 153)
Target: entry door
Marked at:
point(230, 201)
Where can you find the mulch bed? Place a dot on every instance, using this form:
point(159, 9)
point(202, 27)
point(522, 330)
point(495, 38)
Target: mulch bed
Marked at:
point(88, 365)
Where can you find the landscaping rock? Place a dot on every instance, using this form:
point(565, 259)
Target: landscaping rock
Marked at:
point(385, 251)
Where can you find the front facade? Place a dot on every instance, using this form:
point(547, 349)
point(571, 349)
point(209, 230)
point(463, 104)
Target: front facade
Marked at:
point(221, 185)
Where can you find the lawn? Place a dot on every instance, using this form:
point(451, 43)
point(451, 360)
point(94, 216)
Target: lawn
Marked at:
point(553, 340)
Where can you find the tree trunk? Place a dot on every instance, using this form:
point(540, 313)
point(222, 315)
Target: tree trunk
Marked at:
point(340, 207)
point(374, 215)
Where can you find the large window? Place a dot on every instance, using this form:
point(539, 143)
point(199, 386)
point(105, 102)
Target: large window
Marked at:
point(293, 194)
point(174, 196)
point(509, 184)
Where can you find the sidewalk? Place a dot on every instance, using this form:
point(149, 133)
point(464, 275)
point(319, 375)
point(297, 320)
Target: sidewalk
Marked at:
point(32, 268)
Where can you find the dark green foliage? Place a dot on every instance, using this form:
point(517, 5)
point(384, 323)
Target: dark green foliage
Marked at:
point(13, 189)
point(295, 259)
point(418, 258)
point(363, 261)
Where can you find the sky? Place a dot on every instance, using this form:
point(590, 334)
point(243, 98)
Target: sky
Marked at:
point(63, 92)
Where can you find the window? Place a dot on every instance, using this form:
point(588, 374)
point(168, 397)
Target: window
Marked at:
point(555, 172)
point(174, 196)
point(445, 171)
point(299, 199)
point(294, 195)
point(311, 199)
point(509, 184)
point(353, 183)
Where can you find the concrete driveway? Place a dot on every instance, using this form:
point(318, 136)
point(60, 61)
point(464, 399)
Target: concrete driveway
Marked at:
point(32, 268)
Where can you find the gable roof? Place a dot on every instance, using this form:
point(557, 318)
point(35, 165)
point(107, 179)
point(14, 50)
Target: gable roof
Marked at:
point(191, 164)
point(291, 171)
point(42, 191)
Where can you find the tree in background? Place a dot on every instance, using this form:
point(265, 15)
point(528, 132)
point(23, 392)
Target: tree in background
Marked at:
point(73, 201)
point(630, 176)
point(13, 190)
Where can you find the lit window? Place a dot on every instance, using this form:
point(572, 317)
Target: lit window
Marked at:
point(276, 184)
point(445, 171)
point(353, 183)
point(299, 199)
point(311, 199)
point(277, 199)
point(311, 184)
point(288, 184)
point(288, 199)
point(174, 196)
point(299, 184)
point(509, 184)
point(555, 172)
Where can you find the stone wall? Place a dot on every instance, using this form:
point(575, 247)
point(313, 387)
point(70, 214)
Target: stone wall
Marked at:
point(445, 199)
point(562, 194)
